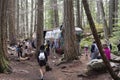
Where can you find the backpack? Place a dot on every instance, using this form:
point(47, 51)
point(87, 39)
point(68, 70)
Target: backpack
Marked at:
point(41, 56)
point(94, 48)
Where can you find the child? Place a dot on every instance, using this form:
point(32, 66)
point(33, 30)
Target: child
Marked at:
point(19, 50)
point(86, 51)
point(106, 51)
point(42, 60)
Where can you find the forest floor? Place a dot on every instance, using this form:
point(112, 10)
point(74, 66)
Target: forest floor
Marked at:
point(29, 70)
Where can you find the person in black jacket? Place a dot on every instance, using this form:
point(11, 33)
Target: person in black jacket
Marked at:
point(19, 50)
point(42, 60)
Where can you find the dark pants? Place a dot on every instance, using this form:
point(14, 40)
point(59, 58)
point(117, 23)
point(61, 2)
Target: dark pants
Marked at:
point(19, 53)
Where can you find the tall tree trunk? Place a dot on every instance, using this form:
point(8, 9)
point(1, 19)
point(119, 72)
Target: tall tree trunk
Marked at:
point(111, 15)
point(31, 28)
point(98, 12)
point(12, 36)
point(116, 12)
point(82, 16)
point(78, 22)
point(56, 17)
point(35, 18)
point(78, 16)
point(18, 34)
point(40, 24)
point(51, 13)
point(27, 26)
point(23, 30)
point(94, 31)
point(105, 28)
point(69, 35)
point(4, 65)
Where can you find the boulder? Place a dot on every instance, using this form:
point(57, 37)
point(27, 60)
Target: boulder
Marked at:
point(117, 58)
point(96, 65)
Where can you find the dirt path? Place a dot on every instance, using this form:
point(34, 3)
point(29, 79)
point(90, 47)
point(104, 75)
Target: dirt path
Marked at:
point(70, 71)
point(28, 70)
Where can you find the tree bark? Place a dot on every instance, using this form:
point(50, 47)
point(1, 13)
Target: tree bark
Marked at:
point(78, 15)
point(23, 29)
point(94, 31)
point(4, 65)
point(69, 34)
point(40, 24)
point(56, 17)
point(18, 34)
point(51, 13)
point(111, 15)
point(12, 36)
point(35, 18)
point(116, 12)
point(27, 26)
point(105, 28)
point(98, 12)
point(31, 28)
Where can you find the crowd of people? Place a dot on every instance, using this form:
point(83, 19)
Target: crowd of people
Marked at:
point(24, 51)
point(25, 47)
point(94, 52)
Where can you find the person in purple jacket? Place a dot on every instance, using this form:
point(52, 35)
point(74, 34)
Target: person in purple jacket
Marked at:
point(107, 51)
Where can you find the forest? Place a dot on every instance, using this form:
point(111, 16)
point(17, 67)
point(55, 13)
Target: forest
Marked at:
point(79, 39)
